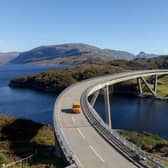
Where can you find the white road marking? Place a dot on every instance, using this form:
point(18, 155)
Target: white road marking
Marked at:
point(73, 119)
point(82, 135)
point(96, 153)
point(80, 164)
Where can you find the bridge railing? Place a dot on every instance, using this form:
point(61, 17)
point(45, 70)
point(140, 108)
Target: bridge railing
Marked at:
point(19, 163)
point(63, 142)
point(134, 150)
point(100, 125)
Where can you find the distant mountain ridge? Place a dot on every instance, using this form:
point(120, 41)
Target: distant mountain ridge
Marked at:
point(5, 57)
point(72, 53)
point(146, 55)
point(117, 54)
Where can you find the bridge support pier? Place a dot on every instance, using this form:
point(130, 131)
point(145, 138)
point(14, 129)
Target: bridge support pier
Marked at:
point(107, 106)
point(153, 92)
point(155, 84)
point(148, 87)
point(139, 87)
point(94, 98)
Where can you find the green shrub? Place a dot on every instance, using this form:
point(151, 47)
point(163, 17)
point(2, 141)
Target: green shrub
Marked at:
point(3, 159)
point(144, 140)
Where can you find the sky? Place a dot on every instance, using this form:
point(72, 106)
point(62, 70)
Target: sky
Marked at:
point(129, 25)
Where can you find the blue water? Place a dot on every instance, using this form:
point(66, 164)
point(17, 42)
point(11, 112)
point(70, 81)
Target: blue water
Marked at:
point(25, 103)
point(136, 114)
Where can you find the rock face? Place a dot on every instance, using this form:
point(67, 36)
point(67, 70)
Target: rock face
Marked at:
point(7, 56)
point(73, 53)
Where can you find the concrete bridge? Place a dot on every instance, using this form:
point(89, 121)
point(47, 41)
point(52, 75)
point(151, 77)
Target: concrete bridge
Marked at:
point(84, 139)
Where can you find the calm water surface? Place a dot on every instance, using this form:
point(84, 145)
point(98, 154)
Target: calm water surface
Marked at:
point(25, 103)
point(127, 112)
point(137, 114)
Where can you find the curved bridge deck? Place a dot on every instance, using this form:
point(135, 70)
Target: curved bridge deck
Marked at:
point(90, 149)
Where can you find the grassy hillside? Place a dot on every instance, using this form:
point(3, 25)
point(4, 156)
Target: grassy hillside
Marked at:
point(5, 57)
point(162, 86)
point(157, 147)
point(20, 138)
point(160, 62)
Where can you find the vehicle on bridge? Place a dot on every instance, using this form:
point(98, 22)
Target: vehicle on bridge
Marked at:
point(76, 107)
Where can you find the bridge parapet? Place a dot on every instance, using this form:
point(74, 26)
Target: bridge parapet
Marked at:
point(62, 141)
point(128, 149)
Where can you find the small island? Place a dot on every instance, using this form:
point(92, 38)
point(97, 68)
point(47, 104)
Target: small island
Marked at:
point(55, 81)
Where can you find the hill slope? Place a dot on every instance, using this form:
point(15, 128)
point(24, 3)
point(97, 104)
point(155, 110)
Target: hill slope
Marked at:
point(20, 138)
point(7, 56)
point(73, 53)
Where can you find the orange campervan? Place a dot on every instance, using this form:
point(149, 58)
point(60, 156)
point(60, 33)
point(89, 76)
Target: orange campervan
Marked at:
point(76, 107)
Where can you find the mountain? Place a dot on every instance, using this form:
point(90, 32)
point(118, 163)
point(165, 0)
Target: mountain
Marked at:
point(159, 62)
point(72, 53)
point(7, 56)
point(117, 54)
point(145, 55)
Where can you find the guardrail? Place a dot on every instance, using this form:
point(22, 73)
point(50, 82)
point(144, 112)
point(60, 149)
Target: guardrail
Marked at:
point(65, 147)
point(128, 149)
point(18, 163)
